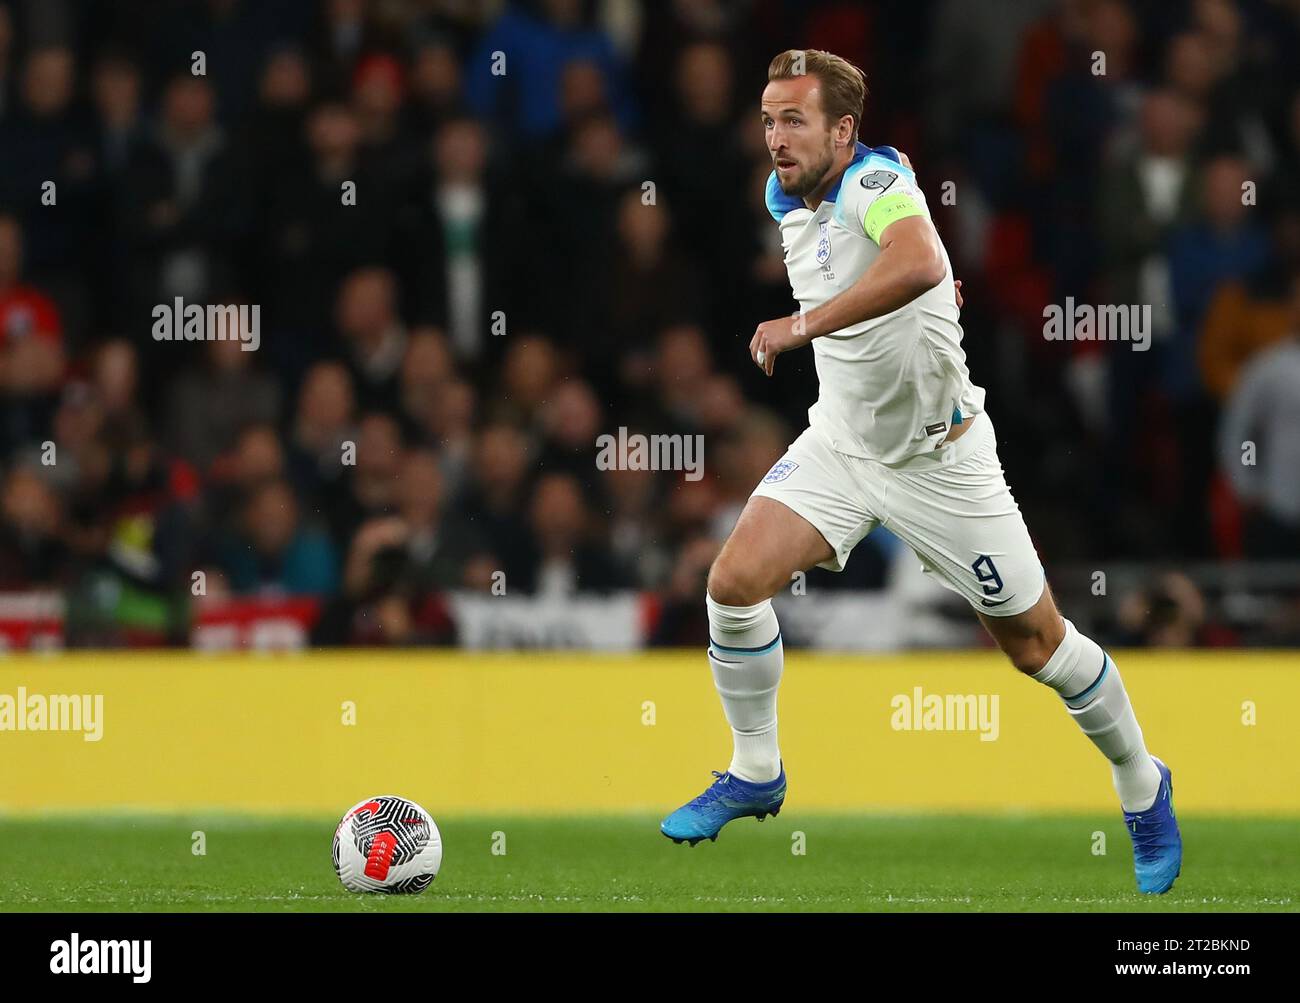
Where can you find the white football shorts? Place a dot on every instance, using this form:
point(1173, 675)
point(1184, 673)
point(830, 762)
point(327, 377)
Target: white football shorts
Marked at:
point(951, 506)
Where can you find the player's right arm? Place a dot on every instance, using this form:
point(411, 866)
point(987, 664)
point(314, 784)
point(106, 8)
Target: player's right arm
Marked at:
point(910, 263)
point(881, 202)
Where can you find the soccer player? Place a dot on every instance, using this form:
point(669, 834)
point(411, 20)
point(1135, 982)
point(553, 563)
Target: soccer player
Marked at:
point(898, 437)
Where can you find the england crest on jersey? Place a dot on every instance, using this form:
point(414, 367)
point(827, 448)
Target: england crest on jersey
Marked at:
point(779, 472)
point(824, 242)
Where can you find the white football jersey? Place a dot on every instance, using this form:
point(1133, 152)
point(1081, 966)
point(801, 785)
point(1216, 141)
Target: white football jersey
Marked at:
point(891, 387)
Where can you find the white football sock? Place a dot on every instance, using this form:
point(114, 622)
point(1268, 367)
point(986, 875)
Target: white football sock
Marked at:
point(1088, 680)
point(746, 656)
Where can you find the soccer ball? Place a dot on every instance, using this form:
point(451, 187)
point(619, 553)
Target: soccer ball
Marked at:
point(387, 844)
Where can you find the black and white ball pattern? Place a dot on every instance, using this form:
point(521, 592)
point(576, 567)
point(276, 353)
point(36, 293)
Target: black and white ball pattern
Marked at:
point(387, 844)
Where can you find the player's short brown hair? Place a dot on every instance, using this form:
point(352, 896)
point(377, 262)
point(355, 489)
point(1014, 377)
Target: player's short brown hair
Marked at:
point(843, 85)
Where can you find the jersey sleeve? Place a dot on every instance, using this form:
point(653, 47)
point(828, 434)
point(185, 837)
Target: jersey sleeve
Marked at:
point(878, 191)
point(778, 202)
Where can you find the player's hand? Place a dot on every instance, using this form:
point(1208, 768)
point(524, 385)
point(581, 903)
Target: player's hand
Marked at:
point(956, 290)
point(772, 337)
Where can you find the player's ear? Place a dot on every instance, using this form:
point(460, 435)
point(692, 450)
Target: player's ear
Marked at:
point(844, 131)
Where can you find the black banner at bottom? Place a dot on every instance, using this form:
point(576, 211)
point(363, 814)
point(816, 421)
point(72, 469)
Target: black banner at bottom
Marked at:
point(90, 952)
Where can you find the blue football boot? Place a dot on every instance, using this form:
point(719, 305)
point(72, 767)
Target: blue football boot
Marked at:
point(727, 798)
point(1157, 844)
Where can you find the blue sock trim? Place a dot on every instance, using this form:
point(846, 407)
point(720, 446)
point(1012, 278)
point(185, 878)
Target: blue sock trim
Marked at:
point(1105, 664)
point(762, 650)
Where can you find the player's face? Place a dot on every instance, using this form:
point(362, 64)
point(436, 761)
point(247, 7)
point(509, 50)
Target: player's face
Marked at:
point(798, 136)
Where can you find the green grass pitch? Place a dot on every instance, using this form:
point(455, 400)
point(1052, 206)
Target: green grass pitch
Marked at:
point(944, 863)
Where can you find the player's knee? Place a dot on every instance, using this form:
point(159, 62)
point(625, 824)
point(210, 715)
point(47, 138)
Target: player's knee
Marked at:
point(731, 584)
point(1032, 651)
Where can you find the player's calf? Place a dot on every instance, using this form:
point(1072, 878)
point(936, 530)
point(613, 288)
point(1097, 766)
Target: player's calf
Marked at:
point(770, 542)
point(1049, 649)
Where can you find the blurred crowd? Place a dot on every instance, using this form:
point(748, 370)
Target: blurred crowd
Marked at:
point(481, 234)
